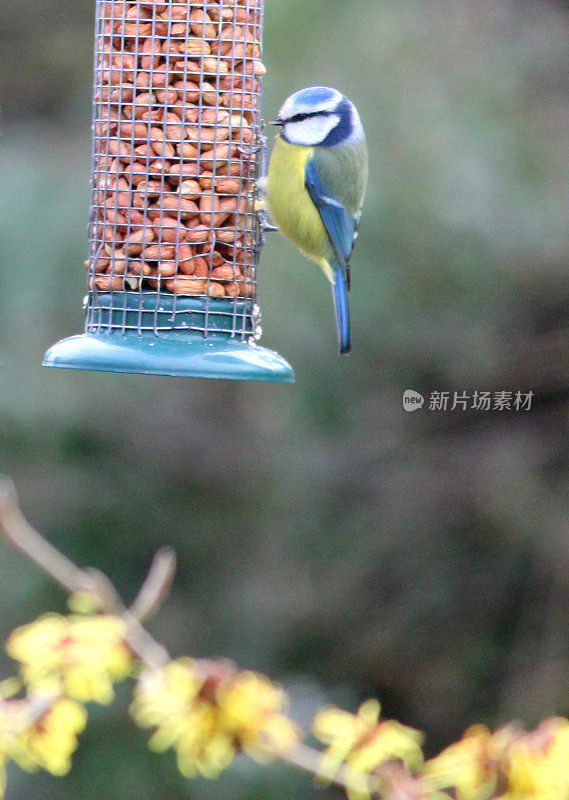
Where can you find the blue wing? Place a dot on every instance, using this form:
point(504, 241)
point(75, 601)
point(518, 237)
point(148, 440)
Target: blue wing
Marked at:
point(340, 225)
point(342, 230)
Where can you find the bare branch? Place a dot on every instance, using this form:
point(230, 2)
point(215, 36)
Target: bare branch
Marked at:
point(310, 760)
point(101, 586)
point(150, 652)
point(156, 586)
point(19, 533)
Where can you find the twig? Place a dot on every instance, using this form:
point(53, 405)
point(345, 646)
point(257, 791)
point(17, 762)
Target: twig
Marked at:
point(310, 760)
point(18, 532)
point(28, 541)
point(156, 586)
point(34, 707)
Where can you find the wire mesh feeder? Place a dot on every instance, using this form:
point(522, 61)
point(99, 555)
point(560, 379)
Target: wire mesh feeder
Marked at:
point(175, 230)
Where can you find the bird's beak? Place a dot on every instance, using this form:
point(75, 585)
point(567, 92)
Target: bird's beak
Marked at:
point(278, 121)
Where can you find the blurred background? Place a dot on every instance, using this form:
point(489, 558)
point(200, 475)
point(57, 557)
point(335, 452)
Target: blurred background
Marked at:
point(325, 536)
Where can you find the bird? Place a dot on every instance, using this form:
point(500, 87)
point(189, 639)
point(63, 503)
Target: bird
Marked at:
point(316, 183)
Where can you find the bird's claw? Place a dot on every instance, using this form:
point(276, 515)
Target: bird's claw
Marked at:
point(268, 227)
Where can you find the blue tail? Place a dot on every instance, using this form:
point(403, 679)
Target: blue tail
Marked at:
point(340, 291)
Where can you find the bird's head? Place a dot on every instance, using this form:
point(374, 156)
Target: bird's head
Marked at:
point(319, 116)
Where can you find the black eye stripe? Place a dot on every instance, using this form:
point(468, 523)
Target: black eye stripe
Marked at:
point(302, 117)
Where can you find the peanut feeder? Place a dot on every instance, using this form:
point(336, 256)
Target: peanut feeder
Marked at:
point(176, 226)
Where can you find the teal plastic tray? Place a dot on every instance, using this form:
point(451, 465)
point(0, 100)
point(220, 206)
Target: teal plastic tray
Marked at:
point(119, 340)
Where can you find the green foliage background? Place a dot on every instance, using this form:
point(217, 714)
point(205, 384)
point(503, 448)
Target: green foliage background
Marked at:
point(324, 536)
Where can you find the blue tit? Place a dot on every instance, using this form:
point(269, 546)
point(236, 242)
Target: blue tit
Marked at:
point(316, 185)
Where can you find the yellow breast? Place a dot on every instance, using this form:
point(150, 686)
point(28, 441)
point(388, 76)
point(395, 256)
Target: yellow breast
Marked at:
point(291, 205)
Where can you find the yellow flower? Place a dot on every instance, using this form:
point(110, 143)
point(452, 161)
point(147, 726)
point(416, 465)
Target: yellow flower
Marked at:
point(207, 711)
point(465, 768)
point(14, 719)
point(167, 699)
point(537, 763)
point(39, 732)
point(83, 654)
point(362, 742)
point(50, 740)
point(251, 710)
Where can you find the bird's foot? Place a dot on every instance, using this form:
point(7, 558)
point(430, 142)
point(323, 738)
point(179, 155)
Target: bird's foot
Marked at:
point(266, 226)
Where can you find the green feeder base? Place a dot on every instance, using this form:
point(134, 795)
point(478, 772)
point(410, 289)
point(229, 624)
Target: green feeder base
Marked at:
point(176, 352)
point(173, 353)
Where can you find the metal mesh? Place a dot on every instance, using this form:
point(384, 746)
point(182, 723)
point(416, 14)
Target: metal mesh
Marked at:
point(178, 150)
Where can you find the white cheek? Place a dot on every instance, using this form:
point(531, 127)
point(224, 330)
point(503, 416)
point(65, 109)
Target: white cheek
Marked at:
point(311, 131)
point(357, 129)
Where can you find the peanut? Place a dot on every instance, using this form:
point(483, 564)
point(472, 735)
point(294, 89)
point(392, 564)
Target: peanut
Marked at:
point(201, 25)
point(187, 150)
point(170, 230)
point(150, 59)
point(167, 268)
point(210, 211)
point(227, 185)
point(200, 234)
point(138, 268)
point(190, 188)
point(136, 241)
point(223, 273)
point(245, 289)
point(184, 171)
point(150, 188)
point(176, 12)
point(216, 259)
point(216, 159)
point(215, 290)
point(186, 259)
point(174, 127)
point(205, 179)
point(231, 289)
point(167, 97)
point(183, 285)
point(195, 47)
point(214, 67)
point(225, 235)
point(209, 94)
point(179, 205)
point(137, 132)
point(109, 283)
point(159, 145)
point(201, 269)
point(188, 92)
